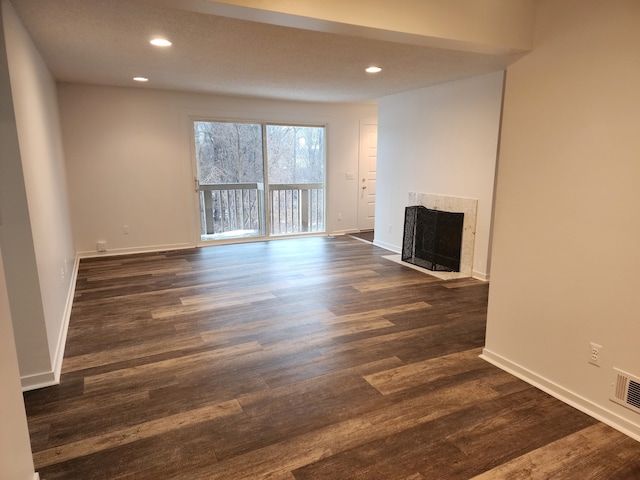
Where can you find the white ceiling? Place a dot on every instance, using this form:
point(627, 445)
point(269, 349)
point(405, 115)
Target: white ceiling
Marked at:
point(106, 42)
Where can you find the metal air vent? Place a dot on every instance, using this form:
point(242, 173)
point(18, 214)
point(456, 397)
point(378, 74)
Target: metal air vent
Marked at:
point(626, 390)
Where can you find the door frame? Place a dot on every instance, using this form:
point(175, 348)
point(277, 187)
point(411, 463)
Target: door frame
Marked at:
point(196, 225)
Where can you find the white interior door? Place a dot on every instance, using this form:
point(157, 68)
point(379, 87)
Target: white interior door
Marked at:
point(367, 176)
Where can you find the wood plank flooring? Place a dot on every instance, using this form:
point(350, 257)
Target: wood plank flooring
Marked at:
point(312, 358)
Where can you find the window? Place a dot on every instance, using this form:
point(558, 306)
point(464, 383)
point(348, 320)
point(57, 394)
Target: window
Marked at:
point(238, 200)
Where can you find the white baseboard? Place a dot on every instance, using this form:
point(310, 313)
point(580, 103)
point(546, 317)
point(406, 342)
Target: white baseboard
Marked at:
point(39, 380)
point(387, 246)
point(52, 377)
point(594, 410)
point(62, 339)
point(36, 476)
point(480, 276)
point(127, 251)
point(337, 233)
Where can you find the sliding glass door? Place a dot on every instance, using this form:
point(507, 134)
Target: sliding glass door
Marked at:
point(296, 179)
point(230, 180)
point(237, 198)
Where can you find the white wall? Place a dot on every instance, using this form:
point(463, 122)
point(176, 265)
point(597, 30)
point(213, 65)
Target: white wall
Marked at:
point(440, 140)
point(15, 450)
point(565, 249)
point(16, 461)
point(16, 237)
point(43, 306)
point(129, 160)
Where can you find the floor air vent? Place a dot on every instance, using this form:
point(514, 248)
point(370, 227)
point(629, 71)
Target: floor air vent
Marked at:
point(627, 390)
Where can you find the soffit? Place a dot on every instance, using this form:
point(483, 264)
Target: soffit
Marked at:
point(106, 42)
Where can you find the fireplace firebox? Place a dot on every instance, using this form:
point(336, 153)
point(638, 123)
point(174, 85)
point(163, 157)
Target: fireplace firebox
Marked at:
point(432, 238)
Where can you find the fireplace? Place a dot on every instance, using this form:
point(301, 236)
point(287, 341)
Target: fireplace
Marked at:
point(432, 238)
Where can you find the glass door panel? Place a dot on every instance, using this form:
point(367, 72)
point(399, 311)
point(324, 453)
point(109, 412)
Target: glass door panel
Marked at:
point(296, 191)
point(230, 178)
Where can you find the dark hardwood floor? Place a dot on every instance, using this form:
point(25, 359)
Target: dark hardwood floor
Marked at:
point(299, 359)
point(367, 236)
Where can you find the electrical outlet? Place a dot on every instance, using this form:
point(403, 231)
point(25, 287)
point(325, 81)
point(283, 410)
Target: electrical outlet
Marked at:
point(595, 352)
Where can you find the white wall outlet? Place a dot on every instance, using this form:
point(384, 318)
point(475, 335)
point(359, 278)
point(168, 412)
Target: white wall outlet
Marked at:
point(125, 229)
point(102, 246)
point(595, 352)
point(339, 217)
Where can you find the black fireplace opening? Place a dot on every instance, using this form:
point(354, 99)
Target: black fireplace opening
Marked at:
point(432, 238)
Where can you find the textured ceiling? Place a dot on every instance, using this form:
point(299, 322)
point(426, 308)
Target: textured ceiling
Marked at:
point(106, 42)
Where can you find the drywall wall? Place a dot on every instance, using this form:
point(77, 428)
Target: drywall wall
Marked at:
point(129, 160)
point(16, 236)
point(16, 461)
point(565, 255)
point(439, 140)
point(42, 163)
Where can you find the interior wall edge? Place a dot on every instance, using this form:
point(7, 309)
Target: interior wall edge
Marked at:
point(565, 395)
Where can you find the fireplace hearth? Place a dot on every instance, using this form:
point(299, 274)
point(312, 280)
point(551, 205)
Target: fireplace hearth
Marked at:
point(432, 238)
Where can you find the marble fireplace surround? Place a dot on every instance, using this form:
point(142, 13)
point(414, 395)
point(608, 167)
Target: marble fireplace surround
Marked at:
point(469, 207)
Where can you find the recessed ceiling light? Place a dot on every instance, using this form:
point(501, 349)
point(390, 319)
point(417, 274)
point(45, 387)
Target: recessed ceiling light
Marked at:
point(160, 42)
point(141, 79)
point(373, 69)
